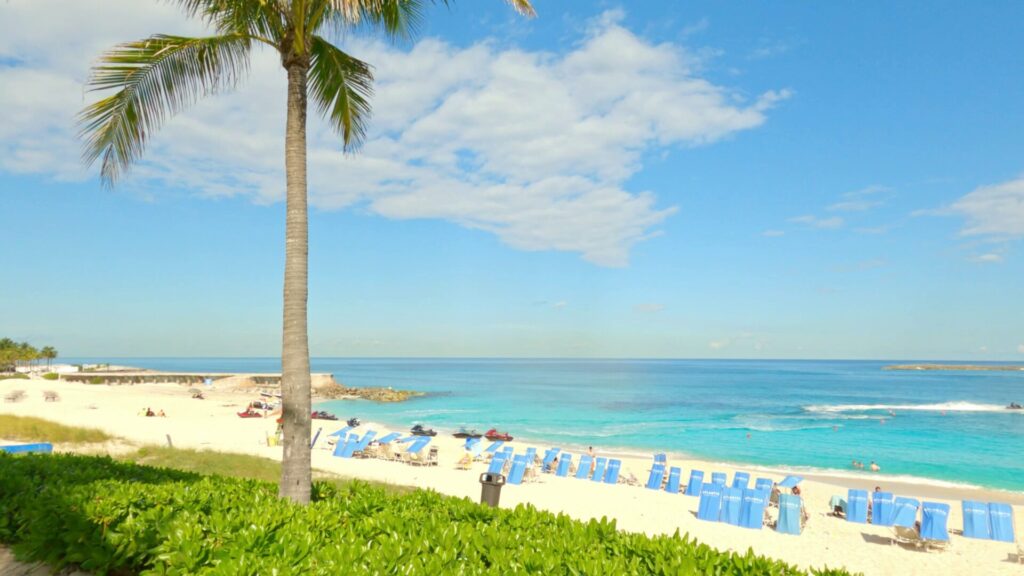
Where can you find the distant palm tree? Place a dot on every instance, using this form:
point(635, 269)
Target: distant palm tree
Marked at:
point(158, 77)
point(48, 352)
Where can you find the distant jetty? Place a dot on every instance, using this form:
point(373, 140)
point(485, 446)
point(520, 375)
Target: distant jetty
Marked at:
point(957, 367)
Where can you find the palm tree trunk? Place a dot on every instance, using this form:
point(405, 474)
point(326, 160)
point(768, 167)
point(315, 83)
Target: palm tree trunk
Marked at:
point(296, 474)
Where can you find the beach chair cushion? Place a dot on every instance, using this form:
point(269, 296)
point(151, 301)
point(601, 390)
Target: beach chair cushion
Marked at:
point(612, 475)
point(494, 446)
point(672, 487)
point(599, 469)
point(976, 520)
point(710, 502)
point(752, 508)
point(857, 506)
point(883, 506)
point(732, 504)
point(741, 480)
point(583, 470)
point(515, 475)
point(656, 477)
point(391, 437)
point(790, 481)
point(905, 512)
point(934, 516)
point(1000, 518)
point(695, 484)
point(564, 463)
point(718, 478)
point(790, 508)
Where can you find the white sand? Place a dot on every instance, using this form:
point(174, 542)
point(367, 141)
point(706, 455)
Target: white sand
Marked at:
point(212, 424)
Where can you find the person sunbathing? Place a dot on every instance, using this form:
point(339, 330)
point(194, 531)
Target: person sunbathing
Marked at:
point(552, 466)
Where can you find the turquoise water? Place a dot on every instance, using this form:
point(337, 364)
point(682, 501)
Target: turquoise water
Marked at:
point(949, 426)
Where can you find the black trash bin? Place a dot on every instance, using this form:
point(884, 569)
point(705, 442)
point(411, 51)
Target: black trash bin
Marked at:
point(490, 488)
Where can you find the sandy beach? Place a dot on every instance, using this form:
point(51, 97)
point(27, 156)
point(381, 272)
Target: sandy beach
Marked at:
point(826, 540)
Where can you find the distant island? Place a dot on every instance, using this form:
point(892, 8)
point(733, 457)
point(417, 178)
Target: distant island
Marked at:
point(950, 367)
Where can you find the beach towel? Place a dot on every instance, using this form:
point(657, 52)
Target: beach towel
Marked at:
point(933, 521)
point(341, 432)
point(857, 506)
point(789, 514)
point(695, 484)
point(752, 508)
point(710, 502)
point(550, 456)
point(732, 504)
point(740, 480)
point(976, 520)
point(497, 463)
point(790, 481)
point(883, 506)
point(905, 512)
point(1000, 517)
point(599, 469)
point(718, 478)
point(763, 484)
point(583, 470)
point(494, 446)
point(390, 437)
point(612, 475)
point(515, 475)
point(40, 448)
point(563, 465)
point(672, 487)
point(657, 475)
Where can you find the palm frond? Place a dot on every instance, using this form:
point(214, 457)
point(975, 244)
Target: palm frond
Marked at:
point(341, 87)
point(155, 78)
point(264, 19)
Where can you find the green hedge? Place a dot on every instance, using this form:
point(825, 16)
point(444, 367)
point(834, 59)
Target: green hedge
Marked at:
point(114, 517)
point(14, 376)
point(51, 376)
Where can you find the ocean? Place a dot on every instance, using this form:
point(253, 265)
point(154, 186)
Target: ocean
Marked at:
point(948, 426)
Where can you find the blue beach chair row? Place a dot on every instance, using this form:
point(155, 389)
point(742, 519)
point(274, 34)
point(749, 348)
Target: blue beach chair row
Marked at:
point(745, 507)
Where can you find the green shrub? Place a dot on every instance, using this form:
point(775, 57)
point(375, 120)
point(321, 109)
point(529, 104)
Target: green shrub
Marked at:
point(14, 376)
point(115, 517)
point(51, 376)
point(96, 380)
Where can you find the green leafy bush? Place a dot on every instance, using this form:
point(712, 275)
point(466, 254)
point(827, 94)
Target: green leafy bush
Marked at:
point(115, 517)
point(96, 380)
point(51, 376)
point(14, 376)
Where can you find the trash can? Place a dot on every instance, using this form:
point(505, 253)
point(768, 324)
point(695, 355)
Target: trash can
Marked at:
point(490, 488)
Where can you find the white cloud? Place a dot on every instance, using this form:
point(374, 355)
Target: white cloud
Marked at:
point(1020, 348)
point(718, 344)
point(559, 305)
point(996, 211)
point(860, 200)
point(531, 146)
point(648, 308)
point(990, 258)
point(773, 233)
point(816, 222)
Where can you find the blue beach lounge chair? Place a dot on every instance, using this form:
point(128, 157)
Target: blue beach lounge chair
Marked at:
point(515, 475)
point(367, 438)
point(583, 470)
point(531, 455)
point(38, 448)
point(718, 478)
point(612, 475)
point(732, 504)
point(660, 459)
point(883, 507)
point(388, 438)
point(857, 506)
point(497, 463)
point(764, 484)
point(790, 508)
point(353, 443)
point(549, 457)
point(790, 481)
point(342, 446)
point(905, 512)
point(741, 480)
point(599, 469)
point(494, 446)
point(341, 432)
point(1000, 518)
point(564, 463)
point(656, 477)
point(672, 486)
point(695, 484)
point(470, 442)
point(752, 508)
point(710, 502)
point(415, 451)
point(976, 520)
point(933, 523)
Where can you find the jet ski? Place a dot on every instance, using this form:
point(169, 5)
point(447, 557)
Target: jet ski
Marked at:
point(419, 430)
point(493, 434)
point(463, 433)
point(1014, 406)
point(353, 422)
point(321, 415)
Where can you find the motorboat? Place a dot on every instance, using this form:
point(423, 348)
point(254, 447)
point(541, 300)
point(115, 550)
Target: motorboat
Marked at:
point(419, 430)
point(463, 433)
point(493, 434)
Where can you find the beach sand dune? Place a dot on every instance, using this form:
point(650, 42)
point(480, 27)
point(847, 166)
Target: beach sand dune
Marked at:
point(212, 424)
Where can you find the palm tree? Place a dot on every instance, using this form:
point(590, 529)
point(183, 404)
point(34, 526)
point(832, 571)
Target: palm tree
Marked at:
point(48, 352)
point(158, 77)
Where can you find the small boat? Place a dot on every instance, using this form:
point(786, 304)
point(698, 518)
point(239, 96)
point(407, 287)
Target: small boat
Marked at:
point(250, 414)
point(493, 434)
point(463, 433)
point(419, 430)
point(353, 422)
point(1014, 406)
point(321, 415)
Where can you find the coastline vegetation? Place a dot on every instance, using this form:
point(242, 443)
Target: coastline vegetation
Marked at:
point(31, 429)
point(110, 516)
point(14, 354)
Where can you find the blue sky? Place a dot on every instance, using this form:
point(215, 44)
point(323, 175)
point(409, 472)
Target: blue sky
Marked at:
point(610, 179)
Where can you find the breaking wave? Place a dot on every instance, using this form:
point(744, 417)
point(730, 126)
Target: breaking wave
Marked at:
point(939, 407)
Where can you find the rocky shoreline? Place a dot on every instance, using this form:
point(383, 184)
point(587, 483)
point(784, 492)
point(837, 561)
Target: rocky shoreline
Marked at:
point(339, 392)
